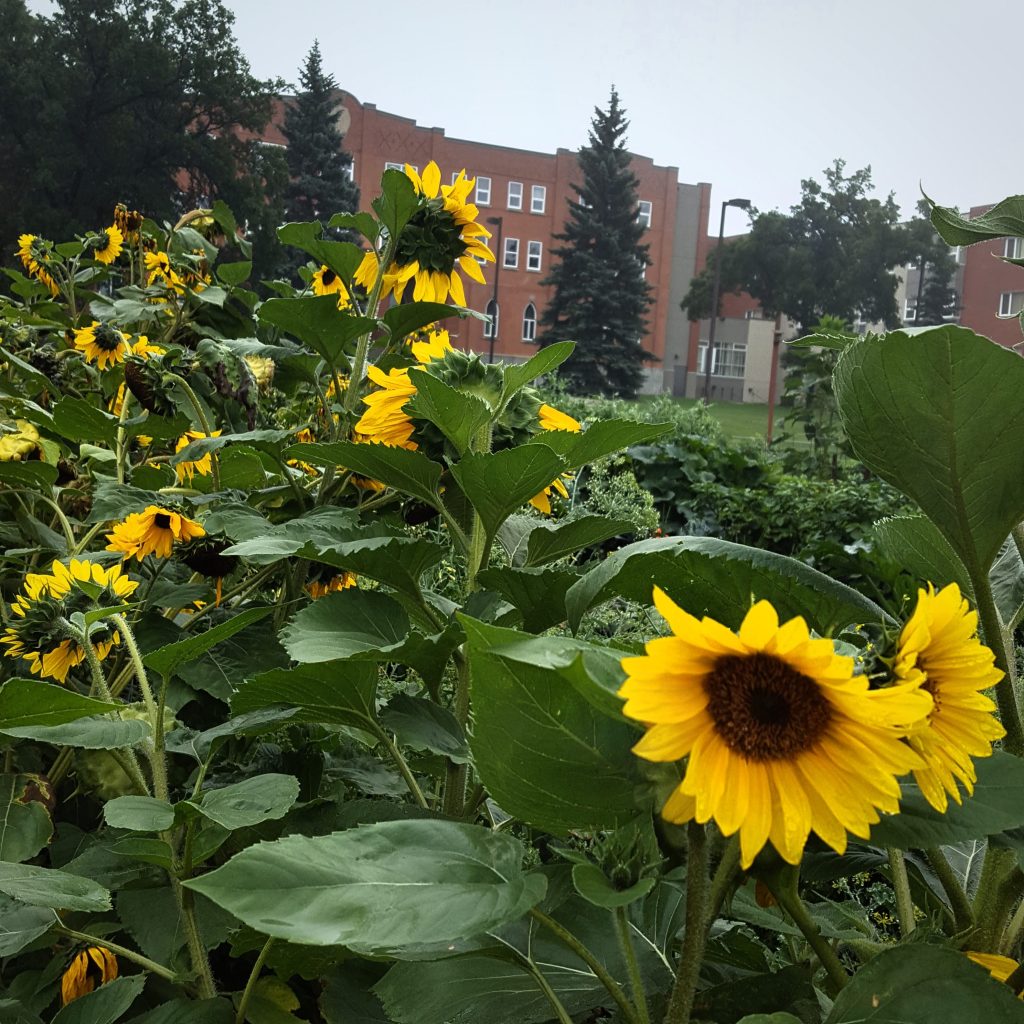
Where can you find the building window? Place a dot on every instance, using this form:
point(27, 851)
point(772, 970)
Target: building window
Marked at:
point(730, 359)
point(910, 311)
point(956, 253)
point(538, 198)
point(491, 326)
point(1011, 303)
point(390, 165)
point(533, 255)
point(515, 195)
point(483, 191)
point(1013, 248)
point(643, 214)
point(350, 170)
point(511, 258)
point(530, 322)
point(580, 201)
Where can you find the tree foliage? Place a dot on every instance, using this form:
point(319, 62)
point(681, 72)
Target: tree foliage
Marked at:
point(833, 253)
point(935, 297)
point(140, 101)
point(600, 296)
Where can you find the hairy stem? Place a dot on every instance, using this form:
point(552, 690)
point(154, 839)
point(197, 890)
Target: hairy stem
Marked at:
point(963, 916)
point(901, 887)
point(204, 423)
point(790, 901)
point(197, 951)
point(622, 927)
point(250, 985)
point(121, 951)
point(695, 929)
point(403, 767)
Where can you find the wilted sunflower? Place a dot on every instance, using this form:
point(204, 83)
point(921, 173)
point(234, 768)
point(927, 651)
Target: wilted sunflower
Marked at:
point(33, 252)
point(92, 967)
point(329, 584)
point(203, 465)
point(152, 532)
point(939, 650)
point(385, 420)
point(21, 444)
point(554, 419)
point(108, 245)
point(781, 737)
point(263, 369)
point(102, 344)
point(441, 237)
point(37, 633)
point(128, 222)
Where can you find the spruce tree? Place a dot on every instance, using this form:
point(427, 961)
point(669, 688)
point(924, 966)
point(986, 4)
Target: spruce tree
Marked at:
point(320, 169)
point(601, 297)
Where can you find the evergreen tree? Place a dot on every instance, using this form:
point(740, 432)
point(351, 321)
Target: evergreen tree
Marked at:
point(601, 297)
point(321, 170)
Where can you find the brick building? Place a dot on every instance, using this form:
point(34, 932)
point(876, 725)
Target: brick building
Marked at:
point(528, 192)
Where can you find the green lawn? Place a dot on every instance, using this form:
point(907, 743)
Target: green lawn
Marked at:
point(738, 419)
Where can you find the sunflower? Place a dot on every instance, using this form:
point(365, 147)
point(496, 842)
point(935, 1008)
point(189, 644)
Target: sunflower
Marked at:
point(128, 222)
point(939, 650)
point(999, 967)
point(32, 251)
point(554, 419)
point(102, 344)
point(263, 369)
point(21, 444)
point(158, 264)
point(144, 348)
point(781, 737)
point(108, 245)
point(92, 967)
point(318, 588)
point(154, 531)
point(442, 236)
point(326, 282)
point(203, 465)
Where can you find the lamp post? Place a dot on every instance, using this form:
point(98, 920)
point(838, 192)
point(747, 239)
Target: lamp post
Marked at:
point(743, 204)
point(498, 260)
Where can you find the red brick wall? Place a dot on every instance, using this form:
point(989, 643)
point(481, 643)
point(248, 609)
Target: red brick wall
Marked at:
point(985, 278)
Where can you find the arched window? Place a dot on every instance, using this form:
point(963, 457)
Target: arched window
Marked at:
point(491, 325)
point(530, 322)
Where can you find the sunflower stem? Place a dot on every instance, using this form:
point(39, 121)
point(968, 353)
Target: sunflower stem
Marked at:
point(989, 911)
point(790, 901)
point(569, 940)
point(250, 985)
point(963, 916)
point(636, 984)
point(901, 887)
point(121, 951)
point(403, 767)
point(197, 951)
point(455, 774)
point(724, 877)
point(204, 423)
point(121, 446)
point(84, 542)
point(528, 965)
point(696, 926)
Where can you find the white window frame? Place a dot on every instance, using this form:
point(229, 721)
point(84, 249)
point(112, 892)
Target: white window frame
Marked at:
point(534, 256)
point(644, 212)
point(482, 195)
point(511, 249)
point(491, 326)
point(724, 363)
point(390, 165)
point(530, 323)
point(515, 201)
point(1006, 303)
point(538, 198)
point(351, 170)
point(1012, 248)
point(909, 310)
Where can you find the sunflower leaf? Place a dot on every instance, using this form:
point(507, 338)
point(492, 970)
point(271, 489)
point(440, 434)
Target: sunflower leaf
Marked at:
point(518, 375)
point(47, 887)
point(106, 1004)
point(342, 257)
point(77, 420)
point(316, 321)
point(397, 202)
point(457, 414)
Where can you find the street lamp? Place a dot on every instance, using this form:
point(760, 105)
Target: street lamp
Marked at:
point(498, 260)
point(743, 204)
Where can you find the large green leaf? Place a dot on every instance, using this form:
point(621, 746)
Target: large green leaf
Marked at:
point(139, 813)
point(922, 984)
point(106, 1004)
point(265, 797)
point(497, 483)
point(996, 806)
point(21, 925)
point(100, 732)
point(407, 317)
point(38, 476)
point(345, 623)
point(189, 1011)
point(937, 416)
point(457, 414)
point(397, 201)
point(31, 702)
point(914, 543)
point(545, 753)
point(77, 420)
point(707, 576)
point(317, 322)
point(538, 594)
point(342, 257)
point(423, 725)
point(377, 887)
point(548, 543)
point(518, 375)
point(47, 887)
point(603, 438)
point(1005, 218)
point(25, 825)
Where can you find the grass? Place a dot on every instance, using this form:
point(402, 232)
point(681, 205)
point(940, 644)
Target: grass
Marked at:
point(738, 419)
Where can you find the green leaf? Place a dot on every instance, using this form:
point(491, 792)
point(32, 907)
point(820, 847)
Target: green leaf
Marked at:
point(424, 725)
point(47, 887)
point(770, 1018)
point(361, 222)
point(264, 797)
point(545, 754)
point(1005, 218)
point(922, 984)
point(21, 925)
point(26, 371)
point(712, 577)
point(537, 594)
point(31, 702)
point(106, 1004)
point(603, 438)
point(996, 806)
point(342, 257)
point(318, 323)
point(38, 476)
point(397, 202)
point(25, 825)
point(410, 472)
point(139, 813)
point(166, 660)
point(914, 543)
point(407, 317)
point(377, 887)
point(345, 623)
point(937, 416)
point(189, 1011)
point(593, 885)
point(234, 273)
point(518, 375)
point(268, 440)
point(1007, 579)
point(457, 414)
point(101, 732)
point(77, 420)
point(330, 693)
point(549, 543)
point(497, 483)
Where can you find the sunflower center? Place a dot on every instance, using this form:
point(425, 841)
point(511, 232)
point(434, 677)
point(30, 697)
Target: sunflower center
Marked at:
point(328, 277)
point(431, 238)
point(763, 708)
point(162, 521)
point(107, 338)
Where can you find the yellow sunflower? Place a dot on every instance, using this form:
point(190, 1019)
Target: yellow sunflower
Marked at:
point(263, 369)
point(102, 344)
point(32, 251)
point(340, 581)
point(326, 282)
point(999, 967)
point(92, 967)
point(158, 264)
point(441, 238)
point(554, 419)
point(144, 348)
point(781, 737)
point(152, 532)
point(939, 650)
point(203, 465)
point(108, 245)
